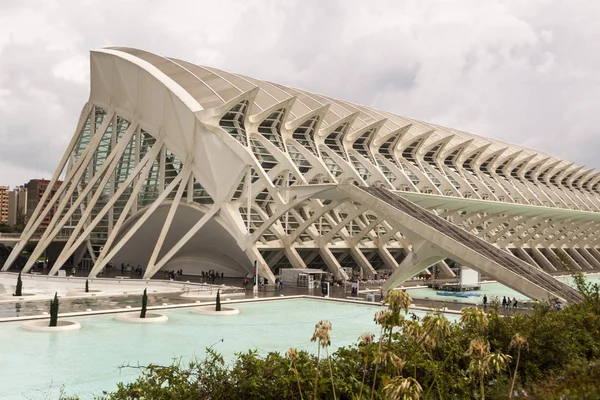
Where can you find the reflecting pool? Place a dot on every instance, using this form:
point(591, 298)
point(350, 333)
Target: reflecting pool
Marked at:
point(86, 362)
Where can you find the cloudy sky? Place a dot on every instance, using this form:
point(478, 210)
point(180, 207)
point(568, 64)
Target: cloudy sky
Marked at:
point(523, 71)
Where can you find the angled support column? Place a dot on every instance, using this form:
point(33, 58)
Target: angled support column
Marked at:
point(523, 255)
point(362, 261)
point(332, 263)
point(274, 258)
point(34, 222)
point(292, 255)
point(593, 256)
point(146, 163)
point(168, 221)
point(574, 262)
point(263, 267)
point(147, 214)
point(579, 260)
point(589, 258)
point(542, 260)
point(105, 171)
point(423, 255)
point(67, 251)
point(444, 270)
point(387, 258)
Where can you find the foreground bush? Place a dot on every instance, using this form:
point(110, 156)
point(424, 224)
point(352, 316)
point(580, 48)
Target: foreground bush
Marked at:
point(544, 354)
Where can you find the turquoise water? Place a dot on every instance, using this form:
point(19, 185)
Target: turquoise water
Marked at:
point(490, 289)
point(36, 365)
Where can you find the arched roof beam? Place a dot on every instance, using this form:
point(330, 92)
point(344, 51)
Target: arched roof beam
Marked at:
point(455, 152)
point(333, 135)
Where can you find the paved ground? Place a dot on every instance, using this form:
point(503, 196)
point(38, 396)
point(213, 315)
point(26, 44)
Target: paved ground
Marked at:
point(271, 291)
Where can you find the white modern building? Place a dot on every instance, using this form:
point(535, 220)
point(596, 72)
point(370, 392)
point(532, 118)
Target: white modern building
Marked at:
point(175, 165)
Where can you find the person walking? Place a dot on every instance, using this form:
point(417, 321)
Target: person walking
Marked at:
point(485, 300)
point(504, 302)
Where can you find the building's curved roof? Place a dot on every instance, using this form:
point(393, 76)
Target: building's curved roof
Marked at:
point(212, 88)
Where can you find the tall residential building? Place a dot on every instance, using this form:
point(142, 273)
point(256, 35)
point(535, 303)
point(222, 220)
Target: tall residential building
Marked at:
point(3, 204)
point(17, 205)
point(35, 191)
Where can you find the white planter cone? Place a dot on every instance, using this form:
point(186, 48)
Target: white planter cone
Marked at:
point(210, 310)
point(41, 325)
point(134, 317)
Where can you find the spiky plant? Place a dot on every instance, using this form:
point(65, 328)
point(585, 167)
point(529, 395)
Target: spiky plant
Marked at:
point(144, 304)
point(518, 342)
point(87, 286)
point(19, 288)
point(54, 311)
point(292, 355)
point(483, 362)
point(364, 341)
point(403, 388)
point(218, 305)
point(321, 336)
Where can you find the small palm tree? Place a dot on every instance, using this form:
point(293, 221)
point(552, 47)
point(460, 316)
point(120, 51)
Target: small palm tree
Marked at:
point(518, 342)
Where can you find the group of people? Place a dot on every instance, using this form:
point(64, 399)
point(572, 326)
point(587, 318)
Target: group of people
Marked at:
point(506, 302)
point(172, 274)
point(261, 282)
point(138, 270)
point(211, 276)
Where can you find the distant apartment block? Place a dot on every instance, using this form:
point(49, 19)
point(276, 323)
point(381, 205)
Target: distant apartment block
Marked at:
point(35, 191)
point(17, 205)
point(3, 204)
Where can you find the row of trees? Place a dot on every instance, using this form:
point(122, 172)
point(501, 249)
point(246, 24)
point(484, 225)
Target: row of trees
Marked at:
point(545, 354)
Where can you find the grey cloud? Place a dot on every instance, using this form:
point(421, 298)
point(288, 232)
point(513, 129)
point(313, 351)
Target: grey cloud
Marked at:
point(522, 72)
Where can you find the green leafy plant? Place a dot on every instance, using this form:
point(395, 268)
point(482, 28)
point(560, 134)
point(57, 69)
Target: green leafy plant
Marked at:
point(144, 304)
point(19, 288)
point(218, 302)
point(54, 311)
